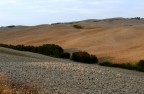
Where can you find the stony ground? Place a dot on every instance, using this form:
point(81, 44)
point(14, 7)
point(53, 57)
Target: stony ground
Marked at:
point(57, 76)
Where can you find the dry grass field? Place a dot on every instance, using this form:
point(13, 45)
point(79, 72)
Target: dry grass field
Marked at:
point(119, 40)
point(8, 86)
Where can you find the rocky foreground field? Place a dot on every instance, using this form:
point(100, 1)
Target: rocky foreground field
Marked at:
point(58, 76)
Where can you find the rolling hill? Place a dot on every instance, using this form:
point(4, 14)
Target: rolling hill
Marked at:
point(119, 40)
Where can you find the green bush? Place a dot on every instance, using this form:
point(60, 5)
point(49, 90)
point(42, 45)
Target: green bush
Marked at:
point(93, 59)
point(126, 65)
point(77, 26)
point(106, 64)
point(84, 57)
point(46, 49)
point(140, 65)
point(65, 55)
point(50, 50)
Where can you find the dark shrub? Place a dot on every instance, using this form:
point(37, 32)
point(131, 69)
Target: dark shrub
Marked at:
point(125, 66)
point(77, 26)
point(46, 49)
point(20, 47)
point(65, 55)
point(50, 50)
point(93, 59)
point(80, 56)
point(11, 26)
point(105, 64)
point(140, 65)
point(84, 57)
point(55, 23)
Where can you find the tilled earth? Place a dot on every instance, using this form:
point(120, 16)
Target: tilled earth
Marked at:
point(58, 76)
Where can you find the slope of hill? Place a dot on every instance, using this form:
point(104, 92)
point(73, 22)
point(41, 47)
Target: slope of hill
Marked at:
point(118, 39)
point(58, 76)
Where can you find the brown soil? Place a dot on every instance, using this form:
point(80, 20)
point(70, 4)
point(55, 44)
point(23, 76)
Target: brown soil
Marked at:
point(117, 43)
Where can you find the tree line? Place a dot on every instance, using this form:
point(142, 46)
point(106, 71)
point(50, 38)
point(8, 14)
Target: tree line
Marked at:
point(55, 51)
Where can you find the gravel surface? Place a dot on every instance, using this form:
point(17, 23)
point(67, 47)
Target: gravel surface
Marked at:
point(57, 76)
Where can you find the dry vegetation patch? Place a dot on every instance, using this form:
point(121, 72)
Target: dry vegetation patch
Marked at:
point(8, 86)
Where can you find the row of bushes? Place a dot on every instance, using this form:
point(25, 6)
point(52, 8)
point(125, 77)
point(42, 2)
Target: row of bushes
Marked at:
point(46, 49)
point(55, 51)
point(138, 66)
point(80, 56)
point(84, 57)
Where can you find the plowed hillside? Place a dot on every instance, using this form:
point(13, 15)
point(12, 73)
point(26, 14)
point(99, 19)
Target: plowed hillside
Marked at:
point(118, 40)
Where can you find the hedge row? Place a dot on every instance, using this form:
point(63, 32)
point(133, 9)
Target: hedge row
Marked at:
point(80, 56)
point(138, 66)
point(46, 49)
point(84, 57)
point(55, 51)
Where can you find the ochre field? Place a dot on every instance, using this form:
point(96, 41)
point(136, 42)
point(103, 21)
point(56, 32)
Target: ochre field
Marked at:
point(117, 40)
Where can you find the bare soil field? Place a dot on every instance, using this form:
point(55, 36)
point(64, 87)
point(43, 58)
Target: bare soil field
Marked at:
point(118, 40)
point(58, 76)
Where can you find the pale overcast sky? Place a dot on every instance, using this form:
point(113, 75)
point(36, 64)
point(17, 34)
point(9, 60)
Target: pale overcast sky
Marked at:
point(34, 12)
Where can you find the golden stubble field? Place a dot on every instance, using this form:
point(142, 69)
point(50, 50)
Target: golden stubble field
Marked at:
point(117, 43)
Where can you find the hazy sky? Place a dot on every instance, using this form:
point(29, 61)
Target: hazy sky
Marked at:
point(33, 12)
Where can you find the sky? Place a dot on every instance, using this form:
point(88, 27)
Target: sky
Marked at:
point(35, 12)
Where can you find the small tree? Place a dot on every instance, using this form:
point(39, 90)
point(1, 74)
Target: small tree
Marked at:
point(84, 57)
point(65, 55)
point(77, 26)
point(141, 64)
